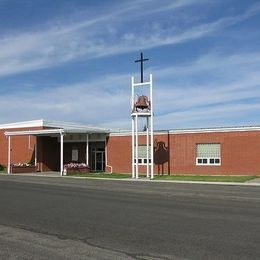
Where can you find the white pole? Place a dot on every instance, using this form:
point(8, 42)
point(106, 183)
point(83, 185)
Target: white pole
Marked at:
point(133, 131)
point(87, 147)
point(106, 154)
point(29, 142)
point(133, 147)
point(35, 152)
point(133, 95)
point(9, 155)
point(147, 147)
point(136, 146)
point(61, 154)
point(151, 100)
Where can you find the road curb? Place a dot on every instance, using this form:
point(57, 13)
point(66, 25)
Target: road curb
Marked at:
point(147, 180)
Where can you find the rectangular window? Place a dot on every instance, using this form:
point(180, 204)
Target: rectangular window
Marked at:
point(208, 154)
point(142, 154)
point(75, 154)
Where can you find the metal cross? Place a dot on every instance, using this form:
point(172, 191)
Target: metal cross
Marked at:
point(142, 66)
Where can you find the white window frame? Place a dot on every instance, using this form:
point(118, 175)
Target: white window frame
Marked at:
point(75, 154)
point(208, 161)
point(208, 158)
point(143, 161)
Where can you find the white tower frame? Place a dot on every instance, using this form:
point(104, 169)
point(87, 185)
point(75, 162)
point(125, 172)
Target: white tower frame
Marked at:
point(148, 115)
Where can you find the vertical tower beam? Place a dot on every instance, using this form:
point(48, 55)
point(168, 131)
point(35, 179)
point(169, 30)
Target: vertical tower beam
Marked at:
point(147, 147)
point(133, 131)
point(136, 147)
point(133, 147)
point(152, 144)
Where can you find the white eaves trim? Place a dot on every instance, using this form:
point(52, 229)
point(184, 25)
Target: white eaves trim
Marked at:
point(128, 133)
point(194, 131)
point(73, 127)
point(48, 132)
point(215, 130)
point(35, 132)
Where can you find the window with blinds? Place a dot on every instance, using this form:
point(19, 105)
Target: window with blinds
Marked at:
point(142, 154)
point(208, 154)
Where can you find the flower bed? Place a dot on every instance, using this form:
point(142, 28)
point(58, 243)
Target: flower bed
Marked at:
point(23, 168)
point(74, 168)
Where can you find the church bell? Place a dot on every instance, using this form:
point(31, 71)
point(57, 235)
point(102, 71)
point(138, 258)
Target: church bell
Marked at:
point(142, 103)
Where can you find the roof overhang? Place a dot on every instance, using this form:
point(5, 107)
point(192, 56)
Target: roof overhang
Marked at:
point(51, 132)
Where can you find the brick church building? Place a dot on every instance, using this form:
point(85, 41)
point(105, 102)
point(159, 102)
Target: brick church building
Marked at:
point(50, 145)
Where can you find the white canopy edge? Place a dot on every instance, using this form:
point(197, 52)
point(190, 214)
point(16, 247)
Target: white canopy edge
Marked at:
point(57, 131)
point(35, 132)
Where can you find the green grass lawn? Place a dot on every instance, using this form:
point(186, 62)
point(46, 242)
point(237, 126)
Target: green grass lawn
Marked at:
point(205, 178)
point(102, 175)
point(170, 177)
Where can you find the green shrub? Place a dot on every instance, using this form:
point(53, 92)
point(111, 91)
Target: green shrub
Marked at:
point(2, 168)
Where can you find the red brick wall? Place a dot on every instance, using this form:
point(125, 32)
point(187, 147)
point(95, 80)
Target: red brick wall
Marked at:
point(21, 152)
point(176, 153)
point(119, 154)
point(48, 153)
point(239, 153)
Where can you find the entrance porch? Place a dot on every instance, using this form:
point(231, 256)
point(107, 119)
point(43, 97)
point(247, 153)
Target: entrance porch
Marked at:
point(55, 148)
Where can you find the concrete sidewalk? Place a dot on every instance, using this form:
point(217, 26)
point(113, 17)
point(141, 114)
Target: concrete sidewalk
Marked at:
point(41, 174)
point(254, 182)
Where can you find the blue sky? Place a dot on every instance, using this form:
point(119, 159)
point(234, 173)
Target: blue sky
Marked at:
point(73, 60)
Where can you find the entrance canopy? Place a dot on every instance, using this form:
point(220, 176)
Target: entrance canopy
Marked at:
point(67, 134)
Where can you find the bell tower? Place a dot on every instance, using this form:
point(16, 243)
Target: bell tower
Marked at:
point(142, 109)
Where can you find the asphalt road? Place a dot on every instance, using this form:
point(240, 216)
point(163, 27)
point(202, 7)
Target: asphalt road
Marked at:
point(61, 218)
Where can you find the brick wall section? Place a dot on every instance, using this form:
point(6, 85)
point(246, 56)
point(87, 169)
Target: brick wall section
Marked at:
point(21, 152)
point(119, 154)
point(176, 153)
point(48, 153)
point(239, 153)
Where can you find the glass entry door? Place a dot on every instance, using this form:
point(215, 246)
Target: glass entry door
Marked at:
point(99, 161)
point(97, 156)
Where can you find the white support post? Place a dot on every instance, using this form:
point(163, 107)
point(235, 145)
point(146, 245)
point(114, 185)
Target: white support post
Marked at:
point(147, 147)
point(151, 102)
point(9, 155)
point(61, 154)
point(133, 101)
point(29, 142)
point(133, 147)
point(35, 151)
point(133, 131)
point(136, 147)
point(87, 148)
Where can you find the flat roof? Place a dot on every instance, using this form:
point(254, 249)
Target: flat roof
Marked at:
point(66, 126)
point(192, 130)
